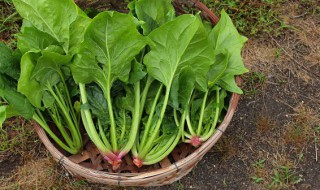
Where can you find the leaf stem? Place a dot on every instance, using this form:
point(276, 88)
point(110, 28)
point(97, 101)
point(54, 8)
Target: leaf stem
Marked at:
point(147, 147)
point(113, 134)
point(144, 95)
point(189, 124)
point(60, 101)
point(201, 113)
point(150, 118)
point(135, 121)
point(44, 125)
point(175, 115)
point(56, 120)
point(212, 128)
point(103, 135)
point(89, 125)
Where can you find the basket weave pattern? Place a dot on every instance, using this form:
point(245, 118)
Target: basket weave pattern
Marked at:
point(89, 164)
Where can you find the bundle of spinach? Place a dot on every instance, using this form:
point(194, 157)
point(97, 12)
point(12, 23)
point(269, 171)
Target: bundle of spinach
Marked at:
point(50, 36)
point(192, 66)
point(140, 82)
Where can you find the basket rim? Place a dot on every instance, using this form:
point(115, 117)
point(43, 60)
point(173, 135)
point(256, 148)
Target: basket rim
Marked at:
point(146, 178)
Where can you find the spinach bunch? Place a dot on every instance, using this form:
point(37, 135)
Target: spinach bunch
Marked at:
point(190, 67)
point(107, 54)
point(50, 36)
point(141, 82)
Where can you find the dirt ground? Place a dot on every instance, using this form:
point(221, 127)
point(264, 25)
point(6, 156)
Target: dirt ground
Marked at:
point(273, 141)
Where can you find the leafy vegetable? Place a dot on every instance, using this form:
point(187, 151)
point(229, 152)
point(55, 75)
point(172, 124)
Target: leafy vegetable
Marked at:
point(110, 44)
point(153, 13)
point(44, 83)
point(12, 103)
point(188, 42)
point(203, 114)
point(50, 36)
point(143, 81)
point(224, 36)
point(52, 17)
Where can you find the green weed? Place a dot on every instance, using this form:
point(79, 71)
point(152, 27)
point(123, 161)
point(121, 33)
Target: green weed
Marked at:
point(259, 163)
point(252, 17)
point(10, 23)
point(253, 83)
point(284, 177)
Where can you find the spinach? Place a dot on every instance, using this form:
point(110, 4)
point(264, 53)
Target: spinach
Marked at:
point(227, 44)
point(143, 81)
point(50, 37)
point(51, 17)
point(43, 82)
point(153, 13)
point(12, 103)
point(111, 43)
point(188, 42)
point(224, 36)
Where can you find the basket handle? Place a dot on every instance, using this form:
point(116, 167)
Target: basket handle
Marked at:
point(214, 19)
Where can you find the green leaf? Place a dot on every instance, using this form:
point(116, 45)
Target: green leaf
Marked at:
point(228, 83)
point(2, 115)
point(48, 69)
point(98, 104)
point(85, 61)
point(154, 13)
point(219, 67)
point(178, 44)
point(50, 16)
point(125, 102)
point(9, 65)
point(187, 80)
point(11, 112)
point(110, 44)
point(32, 39)
point(225, 36)
point(9, 74)
point(77, 30)
point(18, 103)
point(32, 89)
point(182, 88)
point(137, 72)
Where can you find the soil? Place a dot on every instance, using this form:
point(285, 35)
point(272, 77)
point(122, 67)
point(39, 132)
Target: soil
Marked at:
point(276, 125)
point(8, 165)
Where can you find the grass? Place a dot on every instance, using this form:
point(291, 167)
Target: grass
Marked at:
point(277, 172)
point(253, 83)
point(17, 137)
point(10, 23)
point(264, 123)
point(42, 174)
point(279, 165)
point(304, 129)
point(253, 17)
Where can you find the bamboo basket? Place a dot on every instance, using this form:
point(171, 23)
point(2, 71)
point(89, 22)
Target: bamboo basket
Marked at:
point(90, 166)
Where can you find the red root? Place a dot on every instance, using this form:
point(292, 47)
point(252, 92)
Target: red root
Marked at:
point(137, 162)
point(116, 164)
point(112, 159)
point(196, 141)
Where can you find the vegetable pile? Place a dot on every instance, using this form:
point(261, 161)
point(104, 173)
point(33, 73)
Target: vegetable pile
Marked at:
point(141, 82)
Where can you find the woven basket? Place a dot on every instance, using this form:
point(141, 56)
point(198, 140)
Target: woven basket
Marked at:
point(90, 166)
